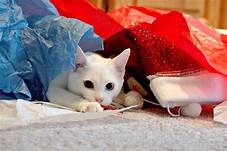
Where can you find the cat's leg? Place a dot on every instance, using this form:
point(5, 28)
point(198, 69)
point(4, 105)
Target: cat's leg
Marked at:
point(63, 97)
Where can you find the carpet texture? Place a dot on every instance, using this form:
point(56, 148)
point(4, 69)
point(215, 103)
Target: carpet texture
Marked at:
point(134, 130)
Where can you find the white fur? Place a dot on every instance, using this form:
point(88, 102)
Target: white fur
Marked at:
point(68, 89)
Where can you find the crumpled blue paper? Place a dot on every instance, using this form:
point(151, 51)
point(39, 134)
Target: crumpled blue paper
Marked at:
point(36, 7)
point(33, 51)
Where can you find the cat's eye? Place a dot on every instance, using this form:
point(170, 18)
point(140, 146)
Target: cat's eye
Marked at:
point(88, 84)
point(109, 86)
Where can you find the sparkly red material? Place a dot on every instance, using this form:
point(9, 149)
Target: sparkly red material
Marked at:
point(190, 36)
point(160, 55)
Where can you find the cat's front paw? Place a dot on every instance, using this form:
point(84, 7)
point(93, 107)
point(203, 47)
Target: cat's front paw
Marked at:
point(89, 107)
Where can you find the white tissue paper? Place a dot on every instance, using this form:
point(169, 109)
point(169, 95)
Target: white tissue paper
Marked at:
point(21, 113)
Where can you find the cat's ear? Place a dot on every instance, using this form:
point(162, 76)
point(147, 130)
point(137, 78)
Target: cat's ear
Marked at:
point(80, 57)
point(120, 61)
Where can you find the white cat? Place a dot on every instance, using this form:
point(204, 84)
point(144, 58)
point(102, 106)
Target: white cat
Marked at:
point(96, 80)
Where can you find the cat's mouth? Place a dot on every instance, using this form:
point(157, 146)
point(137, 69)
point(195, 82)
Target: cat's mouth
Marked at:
point(101, 102)
point(92, 100)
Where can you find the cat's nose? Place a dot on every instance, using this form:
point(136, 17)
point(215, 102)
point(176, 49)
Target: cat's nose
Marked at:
point(98, 100)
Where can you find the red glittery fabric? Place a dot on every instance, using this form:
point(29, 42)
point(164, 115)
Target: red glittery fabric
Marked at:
point(191, 37)
point(160, 55)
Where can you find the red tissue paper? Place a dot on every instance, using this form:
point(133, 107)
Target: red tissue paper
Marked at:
point(85, 11)
point(224, 40)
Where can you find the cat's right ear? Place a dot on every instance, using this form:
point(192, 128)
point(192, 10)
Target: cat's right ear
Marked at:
point(120, 61)
point(80, 57)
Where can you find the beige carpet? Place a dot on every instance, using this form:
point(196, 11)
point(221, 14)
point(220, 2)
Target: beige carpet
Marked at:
point(135, 130)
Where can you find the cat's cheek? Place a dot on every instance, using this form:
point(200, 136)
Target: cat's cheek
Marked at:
point(88, 95)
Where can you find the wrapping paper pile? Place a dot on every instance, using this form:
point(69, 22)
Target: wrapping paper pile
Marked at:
point(175, 59)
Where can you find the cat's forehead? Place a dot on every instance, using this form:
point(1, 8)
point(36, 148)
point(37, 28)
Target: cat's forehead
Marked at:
point(96, 62)
point(95, 58)
point(99, 69)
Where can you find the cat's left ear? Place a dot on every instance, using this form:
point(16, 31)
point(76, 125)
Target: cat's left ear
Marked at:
point(121, 60)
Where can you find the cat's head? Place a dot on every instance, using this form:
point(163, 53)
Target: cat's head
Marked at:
point(98, 79)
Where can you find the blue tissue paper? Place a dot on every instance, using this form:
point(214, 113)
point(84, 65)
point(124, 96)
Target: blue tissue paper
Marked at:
point(36, 7)
point(37, 47)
